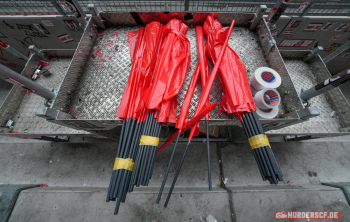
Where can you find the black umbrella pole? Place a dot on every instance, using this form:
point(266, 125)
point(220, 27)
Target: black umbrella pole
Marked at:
point(149, 154)
point(270, 161)
point(138, 172)
point(155, 151)
point(257, 158)
point(139, 155)
point(152, 156)
point(266, 151)
point(167, 170)
point(264, 157)
point(140, 151)
point(250, 128)
point(144, 152)
point(133, 157)
point(208, 154)
point(176, 175)
point(118, 151)
point(142, 177)
point(261, 131)
point(124, 156)
point(116, 210)
point(125, 173)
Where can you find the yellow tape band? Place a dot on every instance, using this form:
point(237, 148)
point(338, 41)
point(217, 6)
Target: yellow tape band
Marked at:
point(259, 141)
point(126, 164)
point(149, 141)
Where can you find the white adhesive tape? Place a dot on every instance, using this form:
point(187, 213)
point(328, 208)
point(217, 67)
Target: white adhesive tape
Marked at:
point(267, 114)
point(267, 98)
point(254, 91)
point(265, 78)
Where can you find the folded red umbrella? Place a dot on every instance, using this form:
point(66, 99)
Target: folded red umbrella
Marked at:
point(173, 63)
point(143, 45)
point(237, 98)
point(221, 55)
point(150, 42)
point(134, 40)
point(204, 96)
point(203, 69)
point(233, 75)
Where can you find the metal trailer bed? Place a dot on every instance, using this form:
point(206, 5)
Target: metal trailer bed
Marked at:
point(333, 107)
point(90, 88)
point(21, 106)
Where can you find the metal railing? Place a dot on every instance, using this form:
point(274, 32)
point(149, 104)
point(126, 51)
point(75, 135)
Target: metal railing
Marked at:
point(296, 7)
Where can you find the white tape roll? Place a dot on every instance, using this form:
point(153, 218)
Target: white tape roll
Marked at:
point(267, 98)
point(254, 91)
point(267, 114)
point(265, 78)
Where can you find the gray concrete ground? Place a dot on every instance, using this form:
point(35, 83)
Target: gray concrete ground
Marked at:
point(91, 206)
point(78, 174)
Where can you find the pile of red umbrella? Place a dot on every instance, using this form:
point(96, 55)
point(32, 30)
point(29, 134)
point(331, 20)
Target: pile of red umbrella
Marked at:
point(143, 45)
point(236, 98)
point(160, 58)
point(207, 83)
point(172, 64)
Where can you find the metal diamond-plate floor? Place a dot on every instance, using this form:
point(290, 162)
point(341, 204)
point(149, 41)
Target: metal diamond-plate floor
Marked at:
point(25, 119)
point(303, 78)
point(102, 84)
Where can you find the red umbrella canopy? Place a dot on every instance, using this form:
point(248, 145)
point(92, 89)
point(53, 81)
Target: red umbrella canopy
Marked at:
point(204, 96)
point(134, 40)
point(143, 45)
point(173, 62)
point(233, 75)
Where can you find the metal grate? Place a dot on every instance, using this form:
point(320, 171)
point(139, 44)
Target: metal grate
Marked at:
point(127, 6)
point(27, 8)
point(330, 8)
point(296, 8)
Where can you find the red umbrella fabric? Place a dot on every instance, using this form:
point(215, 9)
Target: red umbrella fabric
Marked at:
point(173, 62)
point(233, 75)
point(150, 42)
point(205, 94)
point(134, 39)
point(143, 45)
point(203, 61)
point(181, 120)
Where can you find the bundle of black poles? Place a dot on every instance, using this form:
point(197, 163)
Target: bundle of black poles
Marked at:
point(264, 156)
point(132, 157)
point(144, 162)
point(123, 166)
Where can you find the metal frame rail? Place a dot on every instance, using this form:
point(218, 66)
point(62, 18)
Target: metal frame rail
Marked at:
point(295, 7)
